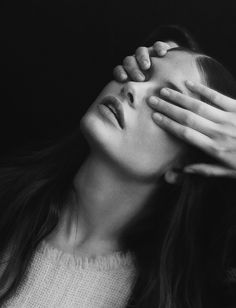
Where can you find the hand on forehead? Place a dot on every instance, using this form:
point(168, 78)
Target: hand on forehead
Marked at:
point(174, 69)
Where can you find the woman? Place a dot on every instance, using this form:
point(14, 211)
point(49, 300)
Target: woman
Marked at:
point(122, 206)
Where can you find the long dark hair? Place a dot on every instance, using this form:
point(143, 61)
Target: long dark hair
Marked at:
point(183, 240)
point(34, 187)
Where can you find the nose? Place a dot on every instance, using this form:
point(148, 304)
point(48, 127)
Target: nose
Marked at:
point(128, 93)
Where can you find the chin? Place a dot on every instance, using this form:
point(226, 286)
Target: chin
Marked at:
point(98, 135)
point(88, 129)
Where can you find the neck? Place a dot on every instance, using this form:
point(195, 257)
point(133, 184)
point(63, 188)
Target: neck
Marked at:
point(102, 203)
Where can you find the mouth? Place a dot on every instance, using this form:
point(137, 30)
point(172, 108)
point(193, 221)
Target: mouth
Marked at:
point(115, 106)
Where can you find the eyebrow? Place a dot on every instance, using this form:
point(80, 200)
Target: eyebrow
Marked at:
point(172, 86)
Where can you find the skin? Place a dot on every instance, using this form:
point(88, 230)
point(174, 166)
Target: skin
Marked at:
point(125, 165)
point(141, 140)
point(217, 138)
point(133, 66)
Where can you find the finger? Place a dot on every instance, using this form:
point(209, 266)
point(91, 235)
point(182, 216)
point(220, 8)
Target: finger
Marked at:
point(197, 139)
point(152, 52)
point(185, 117)
point(187, 102)
point(143, 58)
point(132, 69)
point(185, 133)
point(214, 97)
point(210, 170)
point(119, 73)
point(161, 48)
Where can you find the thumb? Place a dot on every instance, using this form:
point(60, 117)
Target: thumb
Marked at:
point(210, 170)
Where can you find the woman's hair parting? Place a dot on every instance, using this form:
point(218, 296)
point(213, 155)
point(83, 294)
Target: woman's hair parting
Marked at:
point(175, 33)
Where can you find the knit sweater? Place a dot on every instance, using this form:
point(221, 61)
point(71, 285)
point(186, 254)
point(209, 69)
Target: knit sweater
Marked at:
point(59, 280)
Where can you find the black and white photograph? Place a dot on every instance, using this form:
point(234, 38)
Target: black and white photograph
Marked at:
point(118, 154)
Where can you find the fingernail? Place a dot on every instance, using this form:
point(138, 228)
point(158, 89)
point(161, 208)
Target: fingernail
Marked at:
point(165, 92)
point(157, 116)
point(189, 83)
point(140, 76)
point(153, 100)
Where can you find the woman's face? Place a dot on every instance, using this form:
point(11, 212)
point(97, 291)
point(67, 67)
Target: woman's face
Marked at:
point(140, 148)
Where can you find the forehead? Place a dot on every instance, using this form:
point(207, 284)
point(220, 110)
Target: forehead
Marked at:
point(175, 68)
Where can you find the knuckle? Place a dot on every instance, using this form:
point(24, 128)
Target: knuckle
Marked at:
point(198, 108)
point(185, 132)
point(217, 150)
point(217, 131)
point(214, 98)
point(230, 118)
point(226, 140)
point(188, 120)
point(167, 123)
point(223, 134)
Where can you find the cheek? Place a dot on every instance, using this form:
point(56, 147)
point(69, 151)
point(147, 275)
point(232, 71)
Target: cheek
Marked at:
point(150, 150)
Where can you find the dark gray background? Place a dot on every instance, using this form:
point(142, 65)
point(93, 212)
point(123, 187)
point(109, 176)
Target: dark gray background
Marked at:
point(57, 56)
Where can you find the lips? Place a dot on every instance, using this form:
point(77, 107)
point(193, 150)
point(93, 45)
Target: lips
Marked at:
point(116, 108)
